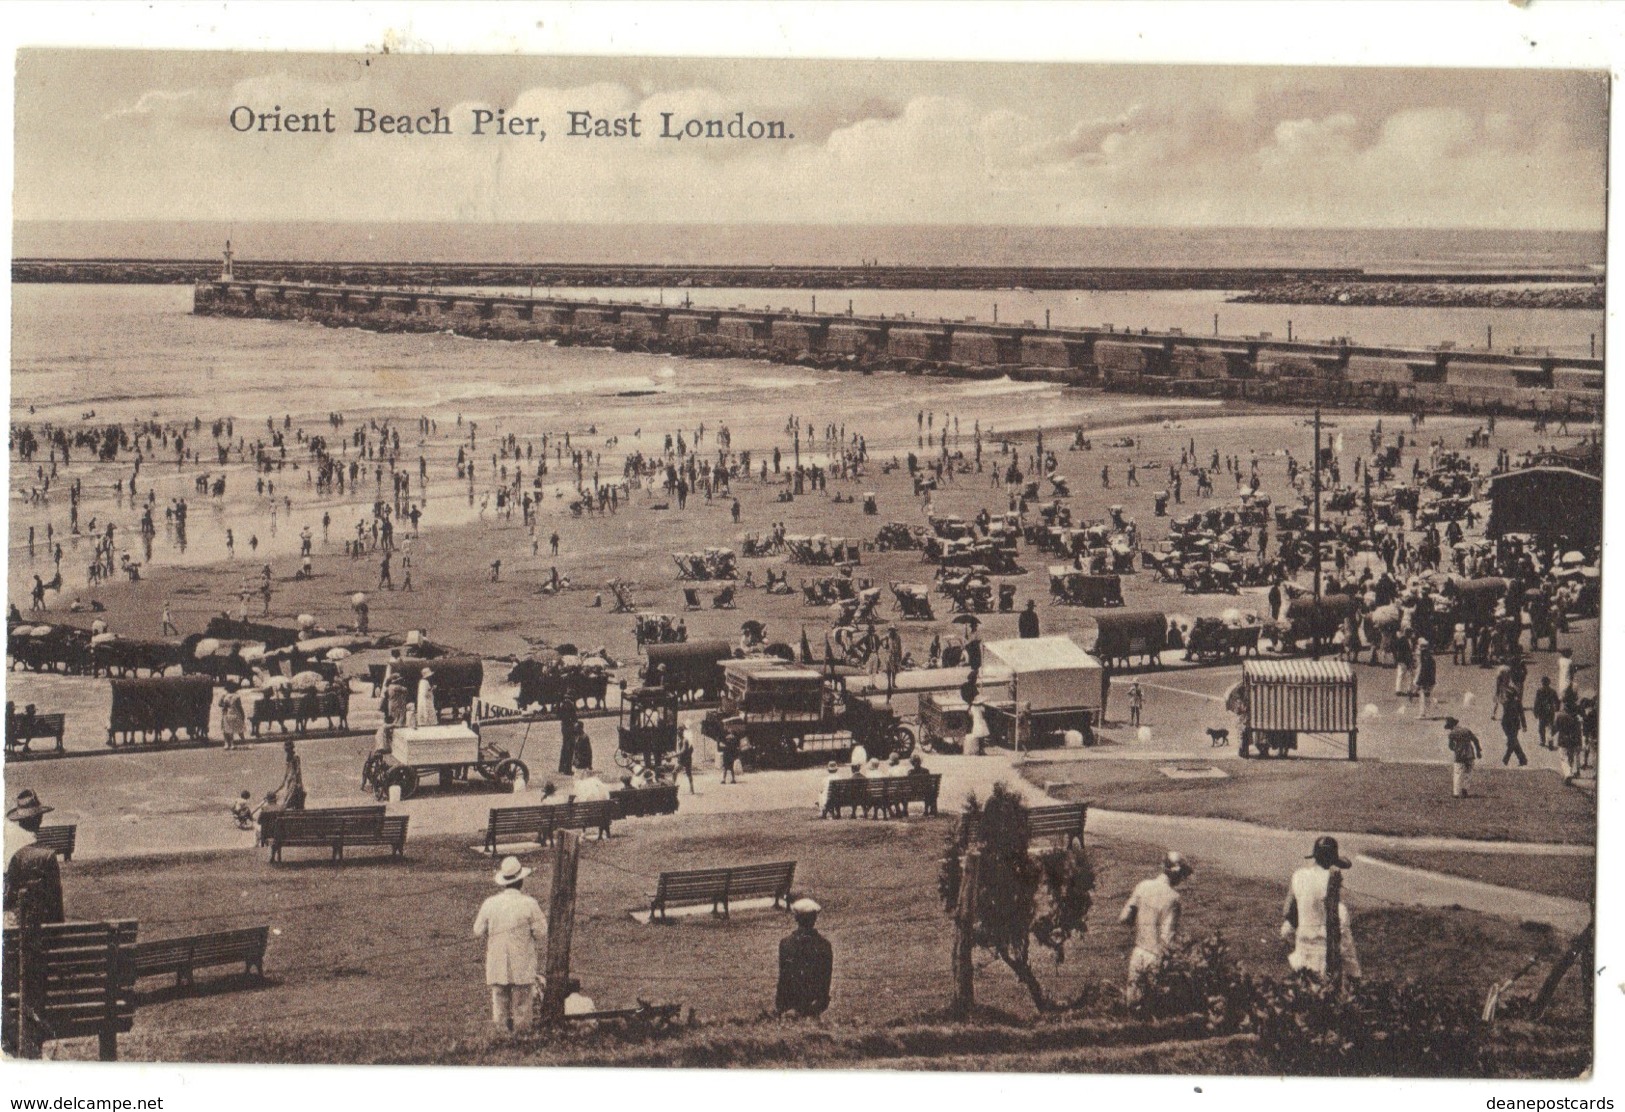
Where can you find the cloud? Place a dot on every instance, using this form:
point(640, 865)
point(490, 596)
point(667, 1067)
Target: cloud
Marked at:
point(1131, 145)
point(149, 102)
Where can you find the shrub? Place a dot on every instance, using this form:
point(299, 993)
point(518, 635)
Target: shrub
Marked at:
point(1369, 1028)
point(1199, 977)
point(1020, 899)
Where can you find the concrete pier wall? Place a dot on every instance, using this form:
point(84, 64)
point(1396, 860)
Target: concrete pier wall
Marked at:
point(1261, 368)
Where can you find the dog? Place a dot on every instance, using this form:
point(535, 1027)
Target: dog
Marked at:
point(1219, 738)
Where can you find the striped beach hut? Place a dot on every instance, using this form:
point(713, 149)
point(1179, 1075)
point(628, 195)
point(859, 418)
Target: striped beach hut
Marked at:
point(1285, 698)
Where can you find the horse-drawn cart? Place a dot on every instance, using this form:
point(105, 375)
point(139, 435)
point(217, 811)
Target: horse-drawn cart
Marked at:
point(647, 726)
point(146, 708)
point(784, 715)
point(450, 753)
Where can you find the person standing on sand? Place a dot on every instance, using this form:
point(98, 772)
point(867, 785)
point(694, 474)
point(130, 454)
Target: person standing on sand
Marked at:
point(292, 789)
point(1427, 675)
point(514, 928)
point(1570, 738)
point(1464, 749)
point(170, 629)
point(233, 723)
point(385, 583)
point(1513, 722)
point(1546, 705)
point(685, 756)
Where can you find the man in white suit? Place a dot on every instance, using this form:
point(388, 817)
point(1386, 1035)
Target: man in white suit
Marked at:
point(513, 927)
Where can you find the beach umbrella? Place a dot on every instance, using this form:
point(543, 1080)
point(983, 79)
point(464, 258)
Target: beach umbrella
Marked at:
point(207, 647)
point(306, 681)
point(358, 598)
point(103, 638)
point(970, 621)
point(307, 621)
point(337, 654)
point(1573, 559)
point(253, 653)
point(1233, 616)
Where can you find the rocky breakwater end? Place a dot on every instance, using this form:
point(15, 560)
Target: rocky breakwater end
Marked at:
point(634, 340)
point(1418, 295)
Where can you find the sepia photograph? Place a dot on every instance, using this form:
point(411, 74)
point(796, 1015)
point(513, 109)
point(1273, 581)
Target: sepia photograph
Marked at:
point(534, 558)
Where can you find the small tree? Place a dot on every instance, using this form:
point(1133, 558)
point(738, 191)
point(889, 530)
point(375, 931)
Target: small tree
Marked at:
point(1020, 898)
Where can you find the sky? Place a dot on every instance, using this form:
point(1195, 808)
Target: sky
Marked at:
point(131, 135)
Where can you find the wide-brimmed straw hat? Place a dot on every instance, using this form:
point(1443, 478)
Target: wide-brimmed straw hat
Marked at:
point(28, 806)
point(510, 872)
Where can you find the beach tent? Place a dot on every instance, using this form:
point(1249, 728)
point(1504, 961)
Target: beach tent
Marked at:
point(1548, 502)
point(1051, 673)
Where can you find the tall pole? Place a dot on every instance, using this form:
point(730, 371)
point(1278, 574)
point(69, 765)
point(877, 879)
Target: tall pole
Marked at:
point(965, 933)
point(1317, 532)
point(561, 918)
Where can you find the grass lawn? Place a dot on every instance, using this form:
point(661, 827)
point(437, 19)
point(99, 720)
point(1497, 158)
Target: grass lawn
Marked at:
point(1573, 878)
point(373, 960)
point(1358, 797)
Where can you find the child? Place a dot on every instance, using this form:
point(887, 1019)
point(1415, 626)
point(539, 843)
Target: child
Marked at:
point(243, 811)
point(266, 814)
point(1458, 644)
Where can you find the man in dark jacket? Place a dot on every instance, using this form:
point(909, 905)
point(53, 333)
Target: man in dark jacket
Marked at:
point(1027, 624)
point(806, 961)
point(33, 896)
point(33, 885)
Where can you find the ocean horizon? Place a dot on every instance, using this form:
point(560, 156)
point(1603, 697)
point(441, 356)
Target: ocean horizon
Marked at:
point(815, 245)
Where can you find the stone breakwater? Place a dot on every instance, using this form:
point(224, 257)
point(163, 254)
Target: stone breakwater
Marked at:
point(1412, 295)
point(1167, 364)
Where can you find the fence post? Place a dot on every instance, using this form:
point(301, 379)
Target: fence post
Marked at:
point(561, 917)
point(965, 934)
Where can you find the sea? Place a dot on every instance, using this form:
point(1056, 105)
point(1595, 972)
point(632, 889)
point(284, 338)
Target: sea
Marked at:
point(104, 353)
point(819, 245)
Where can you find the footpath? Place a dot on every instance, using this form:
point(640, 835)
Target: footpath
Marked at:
point(189, 816)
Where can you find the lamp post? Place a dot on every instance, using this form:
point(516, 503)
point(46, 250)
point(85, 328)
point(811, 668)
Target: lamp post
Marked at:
point(1317, 532)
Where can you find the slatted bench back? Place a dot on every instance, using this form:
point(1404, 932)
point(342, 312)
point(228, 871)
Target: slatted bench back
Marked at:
point(536, 822)
point(182, 956)
point(719, 887)
point(1065, 820)
point(79, 979)
point(60, 839)
point(751, 881)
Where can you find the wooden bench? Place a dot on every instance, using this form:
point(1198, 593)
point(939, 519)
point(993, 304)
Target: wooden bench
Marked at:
point(883, 796)
point(270, 816)
point(338, 827)
point(518, 824)
point(184, 956)
point(21, 729)
point(61, 839)
point(537, 823)
point(632, 802)
point(596, 814)
point(718, 887)
point(78, 980)
point(1064, 820)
